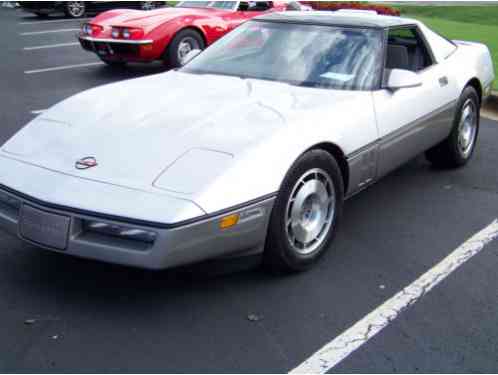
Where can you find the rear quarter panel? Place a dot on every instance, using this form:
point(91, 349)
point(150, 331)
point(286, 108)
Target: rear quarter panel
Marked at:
point(473, 60)
point(463, 60)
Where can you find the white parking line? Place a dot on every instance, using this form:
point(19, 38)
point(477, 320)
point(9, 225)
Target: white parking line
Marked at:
point(38, 112)
point(53, 21)
point(51, 46)
point(65, 67)
point(48, 32)
point(353, 338)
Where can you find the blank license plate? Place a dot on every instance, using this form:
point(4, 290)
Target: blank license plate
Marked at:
point(44, 228)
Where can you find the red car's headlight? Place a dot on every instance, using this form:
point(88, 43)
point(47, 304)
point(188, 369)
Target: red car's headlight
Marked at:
point(132, 33)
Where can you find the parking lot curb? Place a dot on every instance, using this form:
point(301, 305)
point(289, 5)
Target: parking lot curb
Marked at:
point(492, 101)
point(490, 109)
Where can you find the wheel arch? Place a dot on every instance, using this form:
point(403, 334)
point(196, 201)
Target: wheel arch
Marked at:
point(193, 28)
point(167, 40)
point(336, 152)
point(476, 84)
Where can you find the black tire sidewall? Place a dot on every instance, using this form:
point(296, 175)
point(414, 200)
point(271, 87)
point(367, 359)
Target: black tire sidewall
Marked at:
point(447, 153)
point(468, 93)
point(170, 58)
point(279, 253)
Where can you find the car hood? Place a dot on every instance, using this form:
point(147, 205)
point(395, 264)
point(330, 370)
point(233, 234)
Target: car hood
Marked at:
point(136, 129)
point(148, 20)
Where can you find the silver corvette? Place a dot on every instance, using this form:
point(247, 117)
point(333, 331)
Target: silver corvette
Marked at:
point(252, 147)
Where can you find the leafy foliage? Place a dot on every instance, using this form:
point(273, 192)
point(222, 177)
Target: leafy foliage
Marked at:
point(356, 5)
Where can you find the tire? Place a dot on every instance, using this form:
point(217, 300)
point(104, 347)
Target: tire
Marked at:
point(186, 40)
point(456, 150)
point(298, 206)
point(74, 9)
point(114, 64)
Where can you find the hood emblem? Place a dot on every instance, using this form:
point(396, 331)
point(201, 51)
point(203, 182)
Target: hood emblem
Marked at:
point(86, 163)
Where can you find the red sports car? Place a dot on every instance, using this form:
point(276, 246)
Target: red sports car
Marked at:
point(167, 34)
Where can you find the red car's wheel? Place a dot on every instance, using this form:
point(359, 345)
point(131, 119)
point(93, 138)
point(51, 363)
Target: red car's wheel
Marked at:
point(183, 42)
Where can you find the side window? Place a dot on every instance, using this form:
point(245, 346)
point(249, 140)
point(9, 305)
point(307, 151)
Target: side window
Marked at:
point(406, 49)
point(255, 6)
point(227, 5)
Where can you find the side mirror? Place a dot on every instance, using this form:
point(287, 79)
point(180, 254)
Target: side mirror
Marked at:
point(189, 56)
point(401, 79)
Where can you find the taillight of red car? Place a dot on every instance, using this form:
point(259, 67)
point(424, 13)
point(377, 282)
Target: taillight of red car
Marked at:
point(91, 29)
point(131, 33)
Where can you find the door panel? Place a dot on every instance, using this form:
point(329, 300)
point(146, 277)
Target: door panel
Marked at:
point(412, 120)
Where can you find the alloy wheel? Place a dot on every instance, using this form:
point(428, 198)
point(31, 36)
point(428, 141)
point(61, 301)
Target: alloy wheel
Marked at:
point(76, 9)
point(467, 128)
point(310, 211)
point(186, 45)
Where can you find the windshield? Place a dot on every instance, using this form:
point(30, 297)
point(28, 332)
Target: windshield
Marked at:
point(228, 5)
point(193, 4)
point(305, 55)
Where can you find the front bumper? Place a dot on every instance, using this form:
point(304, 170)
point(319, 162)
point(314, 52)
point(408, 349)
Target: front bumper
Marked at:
point(174, 246)
point(119, 50)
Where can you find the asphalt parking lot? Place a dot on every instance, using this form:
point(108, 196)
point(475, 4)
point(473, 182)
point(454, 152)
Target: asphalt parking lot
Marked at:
point(60, 314)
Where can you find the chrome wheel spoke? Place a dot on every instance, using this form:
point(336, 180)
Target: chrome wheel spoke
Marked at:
point(76, 8)
point(310, 210)
point(467, 128)
point(186, 45)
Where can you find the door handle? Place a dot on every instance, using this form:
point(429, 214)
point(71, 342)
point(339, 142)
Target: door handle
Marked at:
point(443, 81)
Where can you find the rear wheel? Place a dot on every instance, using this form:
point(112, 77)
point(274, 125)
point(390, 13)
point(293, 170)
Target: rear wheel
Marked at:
point(306, 213)
point(456, 150)
point(183, 42)
point(75, 9)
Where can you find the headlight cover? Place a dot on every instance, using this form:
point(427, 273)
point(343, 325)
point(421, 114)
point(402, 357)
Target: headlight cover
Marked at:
point(120, 231)
point(194, 170)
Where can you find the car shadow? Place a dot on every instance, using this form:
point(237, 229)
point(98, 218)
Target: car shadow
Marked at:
point(134, 70)
point(96, 282)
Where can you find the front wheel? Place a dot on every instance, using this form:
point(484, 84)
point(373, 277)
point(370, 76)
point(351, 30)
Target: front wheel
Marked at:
point(456, 150)
point(75, 9)
point(306, 213)
point(183, 42)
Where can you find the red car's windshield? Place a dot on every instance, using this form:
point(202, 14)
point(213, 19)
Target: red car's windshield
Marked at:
point(194, 4)
point(228, 5)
